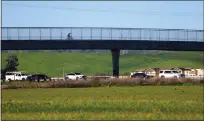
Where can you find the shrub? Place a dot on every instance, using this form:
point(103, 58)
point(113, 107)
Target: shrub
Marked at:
point(96, 82)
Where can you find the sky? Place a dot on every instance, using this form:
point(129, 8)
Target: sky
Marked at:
point(123, 14)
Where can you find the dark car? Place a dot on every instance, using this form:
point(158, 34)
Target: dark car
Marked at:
point(38, 77)
point(141, 75)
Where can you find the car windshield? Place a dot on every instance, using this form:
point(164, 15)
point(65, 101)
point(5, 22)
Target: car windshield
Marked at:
point(175, 72)
point(78, 73)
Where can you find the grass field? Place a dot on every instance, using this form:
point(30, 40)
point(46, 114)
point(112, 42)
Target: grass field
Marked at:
point(52, 64)
point(118, 103)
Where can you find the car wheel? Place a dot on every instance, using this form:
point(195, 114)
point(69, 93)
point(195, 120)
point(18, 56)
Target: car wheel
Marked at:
point(49, 79)
point(23, 79)
point(162, 77)
point(38, 80)
point(41, 80)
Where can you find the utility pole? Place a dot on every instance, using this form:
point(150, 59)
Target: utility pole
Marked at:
point(63, 73)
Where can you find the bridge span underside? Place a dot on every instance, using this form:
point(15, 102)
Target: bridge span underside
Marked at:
point(101, 45)
point(114, 39)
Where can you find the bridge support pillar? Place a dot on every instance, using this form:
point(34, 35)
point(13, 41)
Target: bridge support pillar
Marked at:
point(115, 61)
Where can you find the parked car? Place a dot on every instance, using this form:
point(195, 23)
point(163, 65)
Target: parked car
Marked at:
point(11, 76)
point(75, 76)
point(170, 74)
point(140, 75)
point(38, 77)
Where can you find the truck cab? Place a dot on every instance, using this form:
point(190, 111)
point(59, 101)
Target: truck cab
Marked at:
point(11, 76)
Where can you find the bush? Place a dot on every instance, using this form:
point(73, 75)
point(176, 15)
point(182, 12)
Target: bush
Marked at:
point(126, 74)
point(96, 82)
point(102, 74)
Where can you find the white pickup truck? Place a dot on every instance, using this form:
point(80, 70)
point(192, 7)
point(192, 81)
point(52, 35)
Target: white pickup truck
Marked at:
point(10, 76)
point(75, 76)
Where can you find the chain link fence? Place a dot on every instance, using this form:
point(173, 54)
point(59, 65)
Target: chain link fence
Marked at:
point(95, 33)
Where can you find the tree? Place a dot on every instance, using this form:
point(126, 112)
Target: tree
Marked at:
point(3, 74)
point(12, 63)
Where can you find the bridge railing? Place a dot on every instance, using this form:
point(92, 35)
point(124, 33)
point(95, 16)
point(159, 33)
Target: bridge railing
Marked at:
point(95, 33)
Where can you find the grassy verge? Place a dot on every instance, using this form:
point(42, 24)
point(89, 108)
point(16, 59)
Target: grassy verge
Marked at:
point(100, 83)
point(115, 103)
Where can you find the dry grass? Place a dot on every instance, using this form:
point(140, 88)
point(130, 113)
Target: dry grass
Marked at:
point(96, 82)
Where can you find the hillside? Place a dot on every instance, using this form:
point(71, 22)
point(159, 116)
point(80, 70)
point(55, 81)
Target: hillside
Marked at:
point(52, 63)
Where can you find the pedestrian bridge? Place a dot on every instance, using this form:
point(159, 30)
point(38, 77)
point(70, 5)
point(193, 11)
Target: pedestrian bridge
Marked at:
point(114, 39)
point(96, 33)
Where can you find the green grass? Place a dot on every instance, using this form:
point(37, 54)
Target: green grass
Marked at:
point(52, 64)
point(115, 103)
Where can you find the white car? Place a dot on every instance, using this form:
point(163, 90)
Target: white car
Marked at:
point(10, 76)
point(75, 76)
point(170, 74)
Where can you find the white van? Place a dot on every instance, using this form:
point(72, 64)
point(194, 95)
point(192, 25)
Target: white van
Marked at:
point(15, 76)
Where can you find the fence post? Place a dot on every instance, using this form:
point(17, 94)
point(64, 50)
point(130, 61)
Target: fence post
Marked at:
point(150, 36)
point(50, 33)
point(7, 34)
point(61, 33)
point(18, 33)
point(121, 34)
point(168, 34)
point(196, 36)
point(29, 33)
point(110, 33)
point(91, 33)
point(101, 33)
point(71, 31)
point(187, 35)
point(140, 34)
point(40, 33)
point(81, 34)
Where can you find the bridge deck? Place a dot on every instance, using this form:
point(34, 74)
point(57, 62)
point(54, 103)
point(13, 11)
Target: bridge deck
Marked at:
point(101, 45)
point(96, 33)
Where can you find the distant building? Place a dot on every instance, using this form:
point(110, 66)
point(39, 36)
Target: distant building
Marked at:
point(139, 70)
point(177, 69)
point(188, 71)
point(200, 72)
point(151, 72)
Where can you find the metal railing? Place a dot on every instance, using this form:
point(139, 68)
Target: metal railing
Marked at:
point(96, 33)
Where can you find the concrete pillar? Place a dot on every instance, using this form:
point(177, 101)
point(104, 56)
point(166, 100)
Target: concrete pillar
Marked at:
point(115, 61)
